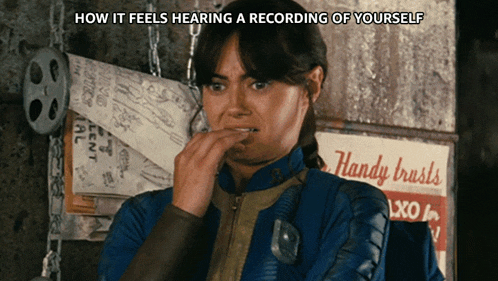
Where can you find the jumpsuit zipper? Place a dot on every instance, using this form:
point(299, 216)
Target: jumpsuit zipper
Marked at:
point(235, 216)
point(235, 208)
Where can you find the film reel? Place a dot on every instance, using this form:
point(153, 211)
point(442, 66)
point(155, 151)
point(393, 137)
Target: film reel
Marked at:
point(46, 90)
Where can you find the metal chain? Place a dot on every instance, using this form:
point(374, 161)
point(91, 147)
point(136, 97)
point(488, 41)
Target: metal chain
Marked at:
point(57, 24)
point(194, 31)
point(153, 29)
point(51, 262)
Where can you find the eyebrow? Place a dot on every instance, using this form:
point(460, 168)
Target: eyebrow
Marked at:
point(219, 76)
point(216, 75)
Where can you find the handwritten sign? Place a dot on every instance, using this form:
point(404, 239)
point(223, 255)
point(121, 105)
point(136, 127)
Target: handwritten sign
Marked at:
point(104, 165)
point(413, 175)
point(150, 114)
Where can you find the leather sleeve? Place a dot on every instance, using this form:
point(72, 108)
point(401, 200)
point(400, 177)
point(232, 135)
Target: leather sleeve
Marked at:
point(166, 248)
point(144, 248)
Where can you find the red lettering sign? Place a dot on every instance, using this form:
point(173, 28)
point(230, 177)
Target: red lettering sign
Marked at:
point(421, 207)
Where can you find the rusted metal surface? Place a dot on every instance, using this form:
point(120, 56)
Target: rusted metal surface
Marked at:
point(397, 75)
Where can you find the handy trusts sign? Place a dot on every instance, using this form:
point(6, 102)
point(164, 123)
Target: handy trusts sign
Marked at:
point(346, 167)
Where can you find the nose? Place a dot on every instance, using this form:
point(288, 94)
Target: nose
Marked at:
point(237, 105)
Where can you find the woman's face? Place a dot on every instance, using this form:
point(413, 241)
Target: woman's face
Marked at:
point(272, 110)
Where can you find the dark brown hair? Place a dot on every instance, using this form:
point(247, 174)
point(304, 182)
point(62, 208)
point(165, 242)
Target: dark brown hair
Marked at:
point(282, 52)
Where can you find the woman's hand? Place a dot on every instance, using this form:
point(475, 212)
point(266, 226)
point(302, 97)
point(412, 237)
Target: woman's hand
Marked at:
point(196, 167)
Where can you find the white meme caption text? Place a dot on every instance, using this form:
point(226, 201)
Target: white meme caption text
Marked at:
point(253, 18)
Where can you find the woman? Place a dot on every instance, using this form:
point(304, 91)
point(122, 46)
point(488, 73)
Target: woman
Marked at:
point(249, 201)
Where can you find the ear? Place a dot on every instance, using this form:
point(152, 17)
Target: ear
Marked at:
point(314, 79)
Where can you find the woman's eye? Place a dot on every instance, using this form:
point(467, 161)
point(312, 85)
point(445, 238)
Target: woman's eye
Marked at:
point(216, 87)
point(259, 85)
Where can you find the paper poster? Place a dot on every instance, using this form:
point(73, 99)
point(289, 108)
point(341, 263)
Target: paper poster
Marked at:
point(150, 114)
point(105, 166)
point(413, 175)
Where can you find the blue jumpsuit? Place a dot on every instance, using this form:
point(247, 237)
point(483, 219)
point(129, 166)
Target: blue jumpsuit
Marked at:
point(342, 231)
